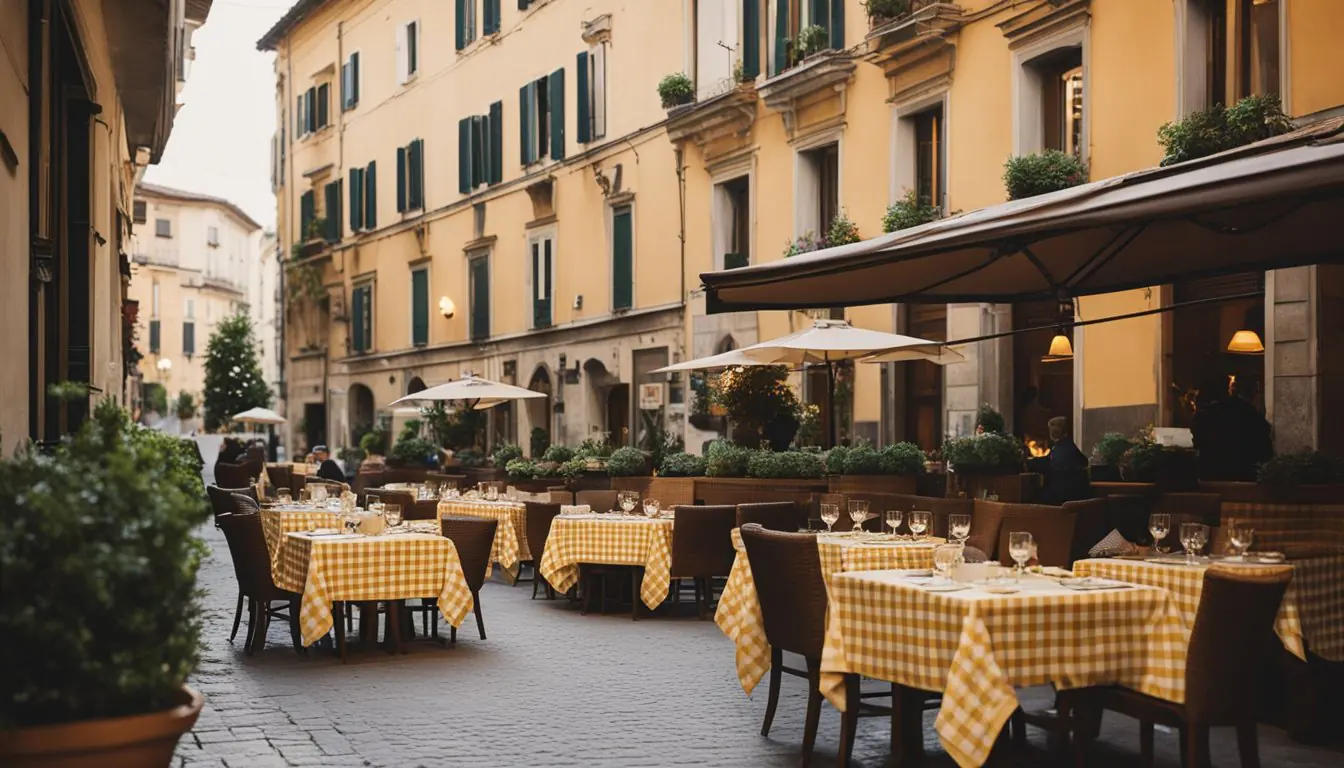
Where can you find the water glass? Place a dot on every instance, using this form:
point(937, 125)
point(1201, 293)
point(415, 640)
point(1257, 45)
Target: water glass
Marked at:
point(893, 520)
point(1193, 538)
point(1019, 548)
point(628, 500)
point(491, 492)
point(1159, 525)
point(319, 492)
point(919, 523)
point(651, 507)
point(829, 514)
point(392, 514)
point(945, 558)
point(858, 512)
point(376, 507)
point(284, 496)
point(1239, 538)
point(959, 527)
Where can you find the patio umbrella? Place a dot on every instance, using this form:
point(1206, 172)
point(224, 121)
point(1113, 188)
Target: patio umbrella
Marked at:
point(729, 359)
point(259, 416)
point(479, 393)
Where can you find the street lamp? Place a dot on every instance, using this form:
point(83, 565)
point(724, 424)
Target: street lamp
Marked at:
point(164, 365)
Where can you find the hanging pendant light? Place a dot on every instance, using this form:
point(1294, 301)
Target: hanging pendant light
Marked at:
point(1246, 342)
point(1061, 349)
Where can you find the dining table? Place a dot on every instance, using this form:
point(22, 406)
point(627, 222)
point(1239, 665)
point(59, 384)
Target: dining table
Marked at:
point(510, 548)
point(610, 538)
point(280, 520)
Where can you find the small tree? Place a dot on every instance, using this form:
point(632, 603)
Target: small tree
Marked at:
point(185, 406)
point(754, 398)
point(233, 380)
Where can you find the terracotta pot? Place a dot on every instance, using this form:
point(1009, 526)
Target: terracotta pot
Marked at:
point(136, 741)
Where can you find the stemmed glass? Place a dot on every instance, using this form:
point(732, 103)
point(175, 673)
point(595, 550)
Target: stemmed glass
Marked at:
point(893, 520)
point(945, 557)
point(491, 492)
point(628, 500)
point(1159, 525)
point(858, 512)
point(1019, 548)
point(651, 507)
point(959, 527)
point(919, 523)
point(1239, 538)
point(1193, 537)
point(284, 496)
point(829, 514)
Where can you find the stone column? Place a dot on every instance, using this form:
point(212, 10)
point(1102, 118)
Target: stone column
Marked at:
point(1292, 374)
point(987, 374)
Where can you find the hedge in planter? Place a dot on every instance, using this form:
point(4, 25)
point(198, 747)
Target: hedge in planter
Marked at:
point(989, 453)
point(98, 600)
point(724, 459)
point(506, 453)
point(1150, 462)
point(1291, 470)
point(627, 462)
point(1050, 171)
point(785, 464)
point(682, 465)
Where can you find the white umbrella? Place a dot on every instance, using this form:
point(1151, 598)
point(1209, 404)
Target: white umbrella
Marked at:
point(938, 355)
point(259, 416)
point(729, 359)
point(480, 393)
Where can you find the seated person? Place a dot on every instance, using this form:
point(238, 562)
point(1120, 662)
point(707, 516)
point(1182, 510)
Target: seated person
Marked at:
point(1065, 468)
point(326, 468)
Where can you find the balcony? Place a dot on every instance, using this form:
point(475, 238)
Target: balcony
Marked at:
point(718, 124)
point(917, 51)
point(821, 78)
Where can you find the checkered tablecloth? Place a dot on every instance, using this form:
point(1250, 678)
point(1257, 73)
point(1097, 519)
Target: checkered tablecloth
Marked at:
point(976, 647)
point(278, 522)
point(739, 613)
point(610, 540)
point(510, 545)
point(1260, 510)
point(1310, 617)
point(389, 567)
point(1294, 536)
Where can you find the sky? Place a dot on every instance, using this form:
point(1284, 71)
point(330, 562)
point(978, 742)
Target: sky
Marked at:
point(220, 144)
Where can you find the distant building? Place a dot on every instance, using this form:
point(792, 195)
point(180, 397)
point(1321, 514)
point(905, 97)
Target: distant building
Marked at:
point(265, 302)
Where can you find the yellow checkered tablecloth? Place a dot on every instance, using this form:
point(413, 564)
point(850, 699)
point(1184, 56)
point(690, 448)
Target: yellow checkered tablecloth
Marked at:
point(279, 522)
point(510, 545)
point(389, 567)
point(976, 647)
point(1310, 617)
point(610, 540)
point(739, 613)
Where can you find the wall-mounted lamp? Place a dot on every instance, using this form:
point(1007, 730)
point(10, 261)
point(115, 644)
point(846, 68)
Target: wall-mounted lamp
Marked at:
point(446, 307)
point(1061, 349)
point(1246, 342)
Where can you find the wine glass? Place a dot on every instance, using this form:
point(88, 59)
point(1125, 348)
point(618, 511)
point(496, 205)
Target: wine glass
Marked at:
point(628, 499)
point(284, 496)
point(319, 491)
point(392, 515)
point(1019, 548)
point(893, 520)
point(1239, 538)
point(945, 557)
point(1199, 537)
point(959, 527)
point(919, 523)
point(858, 512)
point(1159, 525)
point(651, 507)
point(829, 514)
point(1187, 537)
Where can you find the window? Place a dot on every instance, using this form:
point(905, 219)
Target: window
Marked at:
point(788, 18)
point(331, 194)
point(411, 176)
point(542, 280)
point(622, 259)
point(592, 93)
point(420, 306)
point(1257, 48)
point(732, 222)
point(361, 318)
point(465, 32)
point(154, 300)
point(717, 45)
point(542, 118)
point(154, 337)
point(163, 228)
point(188, 338)
point(930, 156)
point(1058, 79)
point(818, 189)
point(480, 149)
point(312, 112)
point(408, 51)
point(212, 237)
point(139, 211)
point(350, 82)
point(478, 296)
point(364, 198)
point(307, 216)
point(191, 309)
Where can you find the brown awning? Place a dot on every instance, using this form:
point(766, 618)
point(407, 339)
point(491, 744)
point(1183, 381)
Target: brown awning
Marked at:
point(1273, 204)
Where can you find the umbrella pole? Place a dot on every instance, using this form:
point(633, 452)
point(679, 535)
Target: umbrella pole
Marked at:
point(830, 400)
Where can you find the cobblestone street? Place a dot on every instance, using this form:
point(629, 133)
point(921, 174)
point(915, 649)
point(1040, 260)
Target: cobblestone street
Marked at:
point(550, 687)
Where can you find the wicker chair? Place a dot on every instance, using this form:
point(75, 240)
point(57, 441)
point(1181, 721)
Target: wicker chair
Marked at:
point(279, 475)
point(600, 501)
point(560, 494)
point(473, 537)
point(771, 515)
point(222, 502)
point(702, 549)
point(252, 568)
point(229, 475)
point(538, 522)
point(457, 481)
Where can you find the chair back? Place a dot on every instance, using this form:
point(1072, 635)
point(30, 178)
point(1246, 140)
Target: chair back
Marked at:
point(456, 481)
point(538, 524)
point(560, 494)
point(278, 475)
point(473, 537)
point(1090, 525)
point(702, 541)
point(402, 475)
point(940, 508)
point(221, 499)
point(1052, 528)
point(405, 499)
point(251, 558)
point(600, 501)
point(228, 475)
point(1232, 637)
point(787, 571)
point(771, 515)
point(245, 504)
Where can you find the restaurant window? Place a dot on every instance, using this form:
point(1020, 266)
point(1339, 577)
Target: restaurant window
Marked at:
point(924, 380)
point(1257, 47)
point(1059, 77)
point(1042, 389)
point(1199, 355)
point(732, 222)
point(930, 156)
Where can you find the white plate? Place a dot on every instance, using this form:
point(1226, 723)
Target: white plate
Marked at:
point(953, 587)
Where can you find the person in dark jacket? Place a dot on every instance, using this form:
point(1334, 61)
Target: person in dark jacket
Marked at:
point(326, 468)
point(1065, 467)
point(1231, 436)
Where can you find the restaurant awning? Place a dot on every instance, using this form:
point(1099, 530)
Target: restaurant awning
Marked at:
point(1273, 204)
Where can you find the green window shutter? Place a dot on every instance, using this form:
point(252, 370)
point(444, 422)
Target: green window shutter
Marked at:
point(323, 103)
point(837, 25)
point(371, 196)
point(401, 179)
point(420, 307)
point(491, 10)
point(622, 259)
point(345, 86)
point(460, 23)
point(522, 4)
point(412, 48)
point(751, 38)
point(525, 124)
point(307, 212)
point(354, 78)
point(480, 299)
point(188, 338)
point(582, 121)
point(464, 180)
point(415, 160)
point(781, 36)
point(356, 199)
point(478, 164)
point(332, 193)
point(298, 116)
point(496, 159)
point(357, 319)
point(154, 336)
point(557, 106)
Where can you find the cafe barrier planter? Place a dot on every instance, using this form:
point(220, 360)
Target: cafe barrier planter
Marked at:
point(136, 741)
point(847, 484)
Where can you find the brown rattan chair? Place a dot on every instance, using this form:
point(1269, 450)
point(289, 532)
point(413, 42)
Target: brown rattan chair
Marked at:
point(771, 515)
point(600, 501)
point(1233, 634)
point(229, 475)
point(702, 549)
point(457, 481)
point(473, 537)
point(538, 523)
point(222, 502)
point(560, 494)
point(278, 475)
point(252, 568)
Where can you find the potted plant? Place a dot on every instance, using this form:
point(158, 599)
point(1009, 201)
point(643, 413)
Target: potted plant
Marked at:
point(885, 11)
point(812, 39)
point(1050, 171)
point(1218, 128)
point(910, 211)
point(1168, 467)
point(842, 231)
point(627, 462)
point(785, 464)
point(1106, 456)
point(1302, 476)
point(861, 468)
point(682, 464)
point(676, 89)
point(98, 603)
point(983, 465)
point(505, 453)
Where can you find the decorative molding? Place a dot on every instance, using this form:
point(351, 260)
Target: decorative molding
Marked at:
point(1049, 18)
point(825, 76)
point(917, 53)
point(727, 115)
point(541, 193)
point(597, 30)
point(321, 171)
point(480, 243)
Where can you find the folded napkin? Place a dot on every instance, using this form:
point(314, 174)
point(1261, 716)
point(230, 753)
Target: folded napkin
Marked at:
point(1113, 545)
point(575, 509)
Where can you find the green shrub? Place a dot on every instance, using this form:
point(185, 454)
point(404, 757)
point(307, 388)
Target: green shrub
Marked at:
point(373, 443)
point(520, 469)
point(902, 459)
point(910, 211)
point(863, 459)
point(98, 599)
point(627, 462)
point(1111, 448)
point(811, 39)
point(558, 454)
point(572, 469)
point(410, 429)
point(886, 10)
point(546, 469)
point(837, 460)
point(682, 465)
point(991, 420)
point(754, 398)
point(785, 464)
point(415, 450)
point(988, 453)
point(469, 457)
point(723, 459)
point(1289, 470)
point(538, 442)
point(1050, 171)
point(676, 89)
point(506, 453)
point(1147, 461)
point(1218, 128)
point(842, 231)
point(593, 448)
